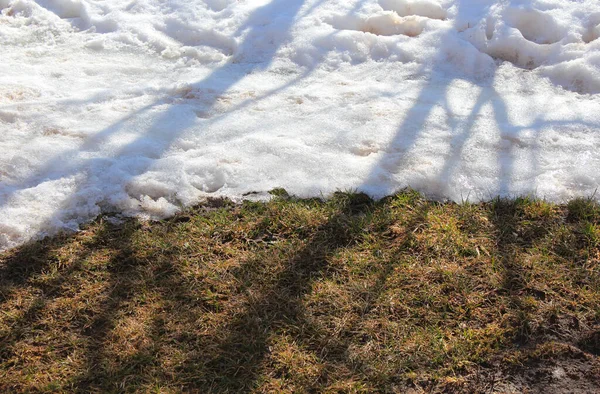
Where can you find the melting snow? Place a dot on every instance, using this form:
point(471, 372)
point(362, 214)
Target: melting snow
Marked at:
point(146, 106)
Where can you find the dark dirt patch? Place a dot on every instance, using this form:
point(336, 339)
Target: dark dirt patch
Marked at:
point(574, 372)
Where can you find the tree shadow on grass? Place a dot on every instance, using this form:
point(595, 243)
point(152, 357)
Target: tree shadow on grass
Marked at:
point(135, 283)
point(120, 289)
point(230, 359)
point(544, 324)
point(234, 358)
point(338, 356)
point(36, 276)
point(225, 361)
point(505, 217)
point(149, 326)
point(108, 264)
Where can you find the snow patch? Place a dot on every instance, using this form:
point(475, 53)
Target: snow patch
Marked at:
point(592, 32)
point(534, 25)
point(145, 107)
point(384, 24)
point(425, 8)
point(576, 75)
point(218, 5)
point(63, 8)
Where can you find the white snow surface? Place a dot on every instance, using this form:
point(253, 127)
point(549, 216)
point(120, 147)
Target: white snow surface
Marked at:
point(142, 107)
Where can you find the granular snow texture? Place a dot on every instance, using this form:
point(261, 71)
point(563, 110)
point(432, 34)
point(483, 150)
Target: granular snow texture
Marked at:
point(143, 107)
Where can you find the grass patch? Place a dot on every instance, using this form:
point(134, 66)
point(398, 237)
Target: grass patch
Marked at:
point(342, 295)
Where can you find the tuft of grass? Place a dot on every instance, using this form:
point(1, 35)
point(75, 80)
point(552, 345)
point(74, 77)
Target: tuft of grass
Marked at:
point(345, 294)
point(591, 232)
point(583, 209)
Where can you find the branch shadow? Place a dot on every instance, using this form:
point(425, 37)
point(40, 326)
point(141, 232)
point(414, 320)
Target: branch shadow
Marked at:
point(338, 351)
point(513, 286)
point(237, 355)
point(125, 279)
point(138, 156)
point(20, 271)
point(401, 153)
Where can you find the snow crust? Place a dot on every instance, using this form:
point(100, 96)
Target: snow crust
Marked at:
point(143, 107)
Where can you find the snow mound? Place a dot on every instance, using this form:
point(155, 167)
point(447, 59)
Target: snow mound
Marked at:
point(144, 107)
point(425, 8)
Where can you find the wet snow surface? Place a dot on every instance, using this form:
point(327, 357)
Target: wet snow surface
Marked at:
point(145, 106)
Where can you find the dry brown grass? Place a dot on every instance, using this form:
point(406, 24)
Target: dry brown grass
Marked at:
point(344, 295)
